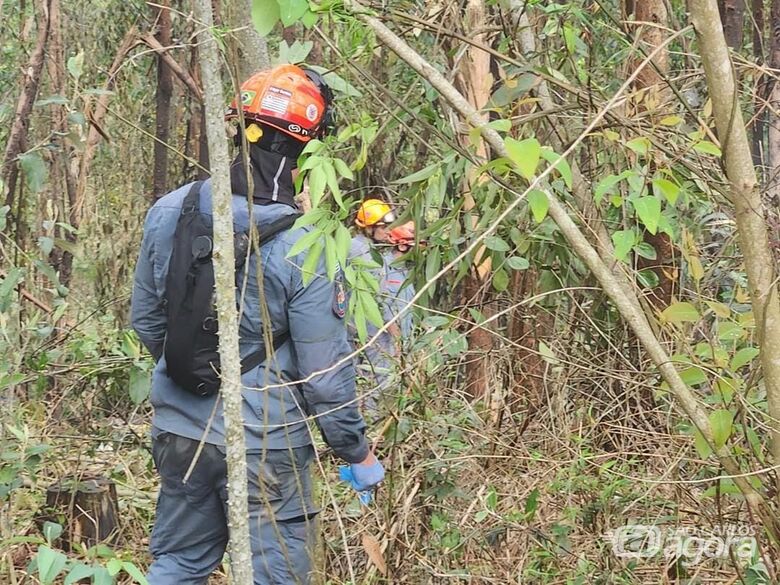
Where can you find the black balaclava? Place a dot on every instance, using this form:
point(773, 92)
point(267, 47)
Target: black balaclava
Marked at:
point(271, 176)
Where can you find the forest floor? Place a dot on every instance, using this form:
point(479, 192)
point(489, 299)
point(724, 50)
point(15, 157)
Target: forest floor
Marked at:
point(466, 500)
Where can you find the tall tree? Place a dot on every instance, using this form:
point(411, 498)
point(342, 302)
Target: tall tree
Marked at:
point(224, 275)
point(253, 49)
point(162, 127)
point(773, 142)
point(746, 198)
point(732, 13)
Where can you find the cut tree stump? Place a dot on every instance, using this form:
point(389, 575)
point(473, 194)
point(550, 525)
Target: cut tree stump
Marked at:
point(86, 508)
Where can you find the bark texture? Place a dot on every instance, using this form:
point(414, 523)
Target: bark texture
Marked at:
point(773, 139)
point(162, 128)
point(253, 49)
point(472, 76)
point(224, 275)
point(623, 298)
point(32, 78)
point(746, 198)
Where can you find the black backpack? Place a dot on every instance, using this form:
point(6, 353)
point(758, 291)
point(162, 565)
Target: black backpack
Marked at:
point(191, 341)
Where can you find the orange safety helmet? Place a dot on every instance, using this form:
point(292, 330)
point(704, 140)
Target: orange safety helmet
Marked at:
point(374, 212)
point(286, 98)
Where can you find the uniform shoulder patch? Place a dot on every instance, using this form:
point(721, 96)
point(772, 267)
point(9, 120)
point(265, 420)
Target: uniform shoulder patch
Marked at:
point(339, 296)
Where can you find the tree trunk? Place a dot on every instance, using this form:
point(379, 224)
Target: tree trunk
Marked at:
point(759, 107)
point(224, 275)
point(474, 80)
point(162, 128)
point(63, 183)
point(625, 301)
point(652, 19)
point(732, 14)
point(32, 78)
point(773, 142)
point(253, 49)
point(746, 198)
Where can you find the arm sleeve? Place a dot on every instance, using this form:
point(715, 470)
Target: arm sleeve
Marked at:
point(320, 340)
point(147, 313)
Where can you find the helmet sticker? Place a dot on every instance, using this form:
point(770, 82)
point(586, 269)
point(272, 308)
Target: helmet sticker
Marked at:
point(312, 112)
point(276, 100)
point(294, 128)
point(247, 97)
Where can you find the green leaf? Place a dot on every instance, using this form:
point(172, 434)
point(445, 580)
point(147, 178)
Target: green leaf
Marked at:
point(496, 244)
point(680, 313)
point(343, 169)
point(51, 531)
point(639, 145)
point(35, 171)
point(729, 331)
point(134, 572)
point(707, 147)
point(370, 308)
point(304, 242)
point(645, 250)
point(265, 15)
point(52, 100)
point(517, 263)
point(76, 65)
point(140, 385)
point(500, 280)
point(669, 190)
point(46, 244)
point(331, 259)
point(318, 178)
point(531, 504)
point(113, 567)
point(292, 10)
point(607, 183)
point(721, 422)
point(418, 176)
point(671, 121)
point(623, 241)
point(500, 125)
point(702, 446)
point(309, 268)
point(648, 210)
point(309, 19)
point(101, 576)
point(569, 37)
point(539, 204)
point(648, 278)
point(693, 376)
point(547, 354)
point(525, 154)
point(50, 564)
point(491, 501)
point(79, 572)
point(343, 244)
point(561, 166)
point(743, 357)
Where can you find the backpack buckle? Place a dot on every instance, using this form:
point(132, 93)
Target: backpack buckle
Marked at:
point(209, 325)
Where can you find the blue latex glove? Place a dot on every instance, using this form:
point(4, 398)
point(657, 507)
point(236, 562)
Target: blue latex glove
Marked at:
point(363, 478)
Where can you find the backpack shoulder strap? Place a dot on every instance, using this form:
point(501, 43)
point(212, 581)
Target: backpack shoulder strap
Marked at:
point(276, 227)
point(191, 203)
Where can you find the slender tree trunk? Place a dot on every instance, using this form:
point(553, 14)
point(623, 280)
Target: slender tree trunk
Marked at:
point(162, 128)
point(64, 179)
point(653, 21)
point(253, 49)
point(475, 81)
point(224, 274)
point(773, 142)
point(746, 198)
point(759, 108)
point(623, 298)
point(732, 14)
point(32, 78)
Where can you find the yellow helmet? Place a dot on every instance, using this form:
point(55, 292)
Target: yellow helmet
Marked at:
point(374, 212)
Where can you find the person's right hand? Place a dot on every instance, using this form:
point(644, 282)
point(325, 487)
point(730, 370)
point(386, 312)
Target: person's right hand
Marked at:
point(367, 474)
point(363, 476)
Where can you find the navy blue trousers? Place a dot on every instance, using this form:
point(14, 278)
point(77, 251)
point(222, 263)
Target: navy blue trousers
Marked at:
point(190, 532)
